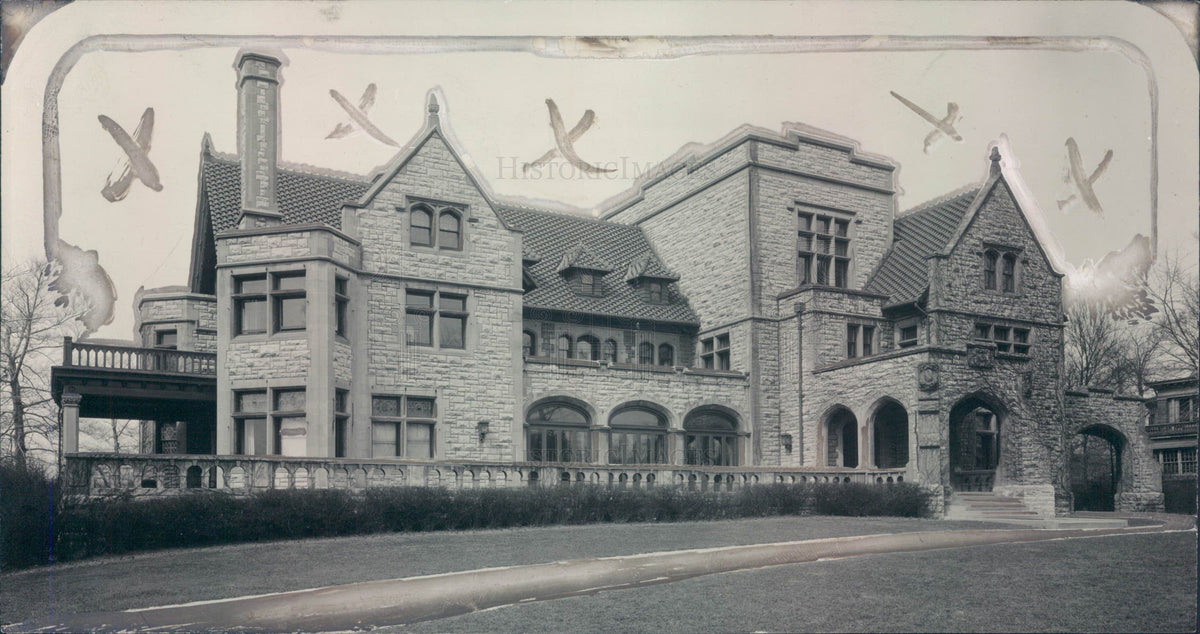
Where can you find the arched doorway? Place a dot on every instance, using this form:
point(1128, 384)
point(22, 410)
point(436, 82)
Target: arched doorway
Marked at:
point(711, 438)
point(975, 424)
point(1096, 467)
point(890, 426)
point(841, 438)
point(557, 430)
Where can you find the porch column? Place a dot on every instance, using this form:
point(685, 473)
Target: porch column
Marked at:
point(70, 421)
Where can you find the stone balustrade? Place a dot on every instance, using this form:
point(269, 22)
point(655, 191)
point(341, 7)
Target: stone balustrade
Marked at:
point(104, 474)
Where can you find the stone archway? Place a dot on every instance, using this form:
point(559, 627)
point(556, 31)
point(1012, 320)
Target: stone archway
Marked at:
point(975, 425)
point(841, 438)
point(889, 426)
point(1095, 467)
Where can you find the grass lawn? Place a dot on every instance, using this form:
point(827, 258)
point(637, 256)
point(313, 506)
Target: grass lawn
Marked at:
point(181, 576)
point(1129, 583)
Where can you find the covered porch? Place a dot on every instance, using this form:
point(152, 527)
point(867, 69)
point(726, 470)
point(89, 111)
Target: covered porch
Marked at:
point(175, 390)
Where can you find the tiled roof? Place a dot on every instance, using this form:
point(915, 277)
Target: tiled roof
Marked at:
point(579, 257)
point(304, 197)
point(650, 267)
point(551, 235)
point(903, 273)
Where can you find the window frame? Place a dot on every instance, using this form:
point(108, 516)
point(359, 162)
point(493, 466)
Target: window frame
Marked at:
point(341, 421)
point(593, 347)
point(824, 247)
point(401, 422)
point(278, 415)
point(728, 442)
point(1001, 268)
point(531, 349)
point(272, 297)
point(620, 435)
point(341, 306)
point(642, 357)
point(242, 418)
point(714, 352)
point(1010, 340)
point(542, 430)
point(861, 340)
point(669, 362)
point(437, 314)
point(159, 335)
point(436, 211)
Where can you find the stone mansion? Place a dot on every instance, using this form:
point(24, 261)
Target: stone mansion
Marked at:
point(756, 312)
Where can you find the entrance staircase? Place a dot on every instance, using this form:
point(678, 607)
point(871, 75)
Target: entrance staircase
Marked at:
point(985, 506)
point(988, 507)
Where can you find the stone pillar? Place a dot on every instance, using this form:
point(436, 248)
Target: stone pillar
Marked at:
point(933, 456)
point(70, 421)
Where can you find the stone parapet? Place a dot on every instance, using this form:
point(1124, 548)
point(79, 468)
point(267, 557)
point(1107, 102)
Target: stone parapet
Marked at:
point(99, 475)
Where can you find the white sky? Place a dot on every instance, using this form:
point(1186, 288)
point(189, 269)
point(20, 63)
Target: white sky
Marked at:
point(645, 109)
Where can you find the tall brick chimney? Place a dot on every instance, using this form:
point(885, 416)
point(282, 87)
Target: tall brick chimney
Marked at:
point(258, 83)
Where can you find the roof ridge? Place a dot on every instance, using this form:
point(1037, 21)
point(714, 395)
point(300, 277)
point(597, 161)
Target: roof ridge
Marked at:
point(301, 168)
point(934, 202)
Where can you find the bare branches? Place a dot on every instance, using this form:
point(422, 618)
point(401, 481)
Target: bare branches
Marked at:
point(33, 321)
point(1174, 288)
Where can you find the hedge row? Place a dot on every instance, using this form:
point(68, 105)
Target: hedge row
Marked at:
point(122, 525)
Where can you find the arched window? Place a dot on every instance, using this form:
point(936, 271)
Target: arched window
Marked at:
point(639, 436)
point(528, 344)
point(449, 231)
point(710, 438)
point(666, 354)
point(1008, 273)
point(646, 353)
point(563, 350)
point(610, 351)
point(989, 269)
point(587, 348)
point(557, 431)
point(421, 226)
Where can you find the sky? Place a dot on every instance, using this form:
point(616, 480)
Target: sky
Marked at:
point(645, 109)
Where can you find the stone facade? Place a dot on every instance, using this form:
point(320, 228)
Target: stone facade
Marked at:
point(412, 325)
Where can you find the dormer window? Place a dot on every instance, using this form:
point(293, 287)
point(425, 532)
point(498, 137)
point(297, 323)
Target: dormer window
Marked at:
point(654, 291)
point(589, 283)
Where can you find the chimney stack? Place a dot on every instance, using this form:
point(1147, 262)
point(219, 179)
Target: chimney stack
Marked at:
point(258, 136)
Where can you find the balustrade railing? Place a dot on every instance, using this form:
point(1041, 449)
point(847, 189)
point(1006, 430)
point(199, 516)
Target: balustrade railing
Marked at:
point(95, 355)
point(1171, 429)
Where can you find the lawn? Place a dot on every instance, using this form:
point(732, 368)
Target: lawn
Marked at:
point(1129, 583)
point(180, 576)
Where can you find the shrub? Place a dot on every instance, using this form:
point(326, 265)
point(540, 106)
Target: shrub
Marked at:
point(27, 502)
point(125, 524)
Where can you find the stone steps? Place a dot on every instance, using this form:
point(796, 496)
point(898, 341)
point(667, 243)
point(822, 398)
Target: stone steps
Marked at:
point(987, 506)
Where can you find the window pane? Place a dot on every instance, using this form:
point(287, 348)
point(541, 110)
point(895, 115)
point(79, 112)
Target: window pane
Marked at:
point(1021, 335)
point(610, 350)
point(289, 282)
point(666, 355)
point(982, 331)
point(841, 247)
point(166, 339)
point(418, 299)
point(250, 402)
point(418, 440)
point(584, 349)
point(806, 221)
point(341, 401)
point(383, 440)
point(385, 406)
point(289, 400)
point(822, 270)
point(457, 303)
point(1001, 333)
point(527, 347)
point(556, 414)
point(449, 236)
point(823, 224)
point(256, 284)
point(842, 228)
point(292, 312)
point(804, 268)
point(851, 341)
point(252, 315)
point(637, 417)
point(453, 332)
point(420, 407)
point(723, 360)
point(868, 340)
point(535, 445)
point(339, 286)
point(841, 273)
point(722, 341)
point(340, 316)
point(421, 224)
point(564, 347)
point(646, 353)
point(707, 345)
point(550, 453)
point(419, 329)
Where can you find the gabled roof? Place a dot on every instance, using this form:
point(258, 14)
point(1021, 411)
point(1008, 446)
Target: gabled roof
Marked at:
point(551, 235)
point(648, 266)
point(579, 257)
point(903, 275)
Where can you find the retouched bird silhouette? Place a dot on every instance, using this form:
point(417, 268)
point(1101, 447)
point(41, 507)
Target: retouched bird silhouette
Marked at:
point(943, 127)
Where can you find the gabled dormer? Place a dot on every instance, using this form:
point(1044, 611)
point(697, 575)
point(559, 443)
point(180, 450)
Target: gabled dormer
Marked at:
point(584, 270)
point(651, 278)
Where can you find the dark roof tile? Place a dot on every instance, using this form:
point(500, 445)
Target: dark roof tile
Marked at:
point(903, 273)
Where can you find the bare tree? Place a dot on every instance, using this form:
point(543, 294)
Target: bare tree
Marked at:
point(108, 434)
point(1095, 347)
point(34, 318)
point(1175, 291)
point(1142, 354)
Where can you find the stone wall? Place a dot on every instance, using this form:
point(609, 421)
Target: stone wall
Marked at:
point(479, 383)
point(627, 340)
point(1100, 412)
